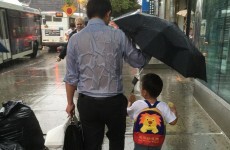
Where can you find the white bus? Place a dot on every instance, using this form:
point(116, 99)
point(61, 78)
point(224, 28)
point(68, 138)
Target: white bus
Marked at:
point(54, 26)
point(20, 31)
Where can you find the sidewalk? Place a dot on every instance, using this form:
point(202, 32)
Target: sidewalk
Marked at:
point(195, 130)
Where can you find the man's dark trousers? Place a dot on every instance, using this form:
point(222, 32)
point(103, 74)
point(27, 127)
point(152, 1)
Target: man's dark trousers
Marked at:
point(95, 113)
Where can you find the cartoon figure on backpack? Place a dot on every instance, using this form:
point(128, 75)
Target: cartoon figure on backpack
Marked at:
point(150, 122)
point(149, 128)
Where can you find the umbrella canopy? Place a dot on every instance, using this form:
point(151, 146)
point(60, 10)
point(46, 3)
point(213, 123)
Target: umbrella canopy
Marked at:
point(183, 13)
point(3, 48)
point(164, 41)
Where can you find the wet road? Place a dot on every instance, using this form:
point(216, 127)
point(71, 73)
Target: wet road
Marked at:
point(39, 84)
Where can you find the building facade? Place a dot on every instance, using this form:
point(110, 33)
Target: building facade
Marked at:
point(210, 32)
point(210, 23)
point(212, 37)
point(47, 5)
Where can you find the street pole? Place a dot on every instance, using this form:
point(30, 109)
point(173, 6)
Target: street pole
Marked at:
point(79, 7)
point(188, 17)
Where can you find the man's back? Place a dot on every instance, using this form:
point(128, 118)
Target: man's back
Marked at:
point(99, 51)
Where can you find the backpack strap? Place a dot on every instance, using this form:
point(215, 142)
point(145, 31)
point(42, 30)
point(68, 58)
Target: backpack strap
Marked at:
point(150, 106)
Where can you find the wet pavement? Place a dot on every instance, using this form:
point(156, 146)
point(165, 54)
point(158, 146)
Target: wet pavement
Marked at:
point(39, 83)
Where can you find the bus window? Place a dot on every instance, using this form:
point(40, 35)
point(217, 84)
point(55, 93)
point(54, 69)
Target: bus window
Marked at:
point(48, 18)
point(55, 19)
point(71, 20)
point(37, 18)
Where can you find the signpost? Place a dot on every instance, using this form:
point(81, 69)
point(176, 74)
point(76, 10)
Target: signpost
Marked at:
point(145, 6)
point(69, 7)
point(149, 7)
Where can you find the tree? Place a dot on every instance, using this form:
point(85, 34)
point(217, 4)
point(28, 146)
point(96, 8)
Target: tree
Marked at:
point(119, 6)
point(82, 2)
point(124, 6)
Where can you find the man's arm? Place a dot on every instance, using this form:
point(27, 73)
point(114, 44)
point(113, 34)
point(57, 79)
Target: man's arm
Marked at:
point(70, 90)
point(71, 77)
point(63, 52)
point(131, 99)
point(135, 57)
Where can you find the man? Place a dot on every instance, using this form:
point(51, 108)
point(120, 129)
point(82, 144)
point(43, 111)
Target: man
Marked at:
point(80, 24)
point(94, 65)
point(72, 27)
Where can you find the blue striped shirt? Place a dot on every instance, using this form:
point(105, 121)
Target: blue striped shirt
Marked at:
point(95, 59)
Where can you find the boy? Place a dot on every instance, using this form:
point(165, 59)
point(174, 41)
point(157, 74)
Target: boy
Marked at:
point(151, 88)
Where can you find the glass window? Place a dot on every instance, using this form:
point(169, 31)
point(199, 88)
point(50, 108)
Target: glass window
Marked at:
point(48, 18)
point(212, 25)
point(55, 19)
point(71, 20)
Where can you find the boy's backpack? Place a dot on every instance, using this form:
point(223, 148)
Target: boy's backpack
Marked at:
point(149, 128)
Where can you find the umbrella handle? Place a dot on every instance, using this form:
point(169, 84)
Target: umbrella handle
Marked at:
point(135, 80)
point(132, 91)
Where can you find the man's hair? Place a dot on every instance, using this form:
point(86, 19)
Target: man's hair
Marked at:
point(98, 8)
point(153, 84)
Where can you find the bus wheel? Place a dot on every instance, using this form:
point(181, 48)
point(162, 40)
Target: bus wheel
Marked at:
point(35, 49)
point(52, 48)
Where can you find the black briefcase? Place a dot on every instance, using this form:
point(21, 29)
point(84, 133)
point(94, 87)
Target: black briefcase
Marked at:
point(74, 136)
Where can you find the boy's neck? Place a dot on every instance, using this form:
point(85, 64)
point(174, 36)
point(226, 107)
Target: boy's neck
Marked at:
point(151, 100)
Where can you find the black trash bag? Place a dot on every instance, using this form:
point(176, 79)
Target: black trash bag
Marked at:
point(18, 123)
point(74, 136)
point(9, 145)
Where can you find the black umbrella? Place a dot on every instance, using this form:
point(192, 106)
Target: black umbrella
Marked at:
point(3, 48)
point(164, 41)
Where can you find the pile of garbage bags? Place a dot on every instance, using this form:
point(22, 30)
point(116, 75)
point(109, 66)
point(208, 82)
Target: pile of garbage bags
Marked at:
point(19, 128)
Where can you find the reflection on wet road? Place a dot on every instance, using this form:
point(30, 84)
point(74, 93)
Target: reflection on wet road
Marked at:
point(39, 83)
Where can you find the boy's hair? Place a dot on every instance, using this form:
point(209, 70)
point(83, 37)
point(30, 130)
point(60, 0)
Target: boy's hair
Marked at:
point(153, 84)
point(98, 8)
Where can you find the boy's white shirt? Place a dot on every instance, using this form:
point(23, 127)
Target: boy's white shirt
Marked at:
point(139, 105)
